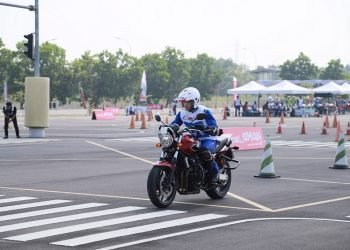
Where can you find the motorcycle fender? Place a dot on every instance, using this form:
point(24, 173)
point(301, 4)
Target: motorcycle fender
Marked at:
point(163, 164)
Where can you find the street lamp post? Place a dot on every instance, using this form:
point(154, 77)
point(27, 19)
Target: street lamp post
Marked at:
point(123, 39)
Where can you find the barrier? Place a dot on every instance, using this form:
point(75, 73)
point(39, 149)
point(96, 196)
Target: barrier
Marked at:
point(246, 138)
point(102, 115)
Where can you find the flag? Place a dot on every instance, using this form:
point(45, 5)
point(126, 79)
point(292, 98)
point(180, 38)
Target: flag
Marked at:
point(143, 88)
point(234, 86)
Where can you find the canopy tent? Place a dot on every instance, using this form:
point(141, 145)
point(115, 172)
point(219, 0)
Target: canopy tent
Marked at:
point(251, 88)
point(287, 88)
point(346, 88)
point(329, 88)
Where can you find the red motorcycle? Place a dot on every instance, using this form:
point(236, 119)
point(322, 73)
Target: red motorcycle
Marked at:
point(180, 168)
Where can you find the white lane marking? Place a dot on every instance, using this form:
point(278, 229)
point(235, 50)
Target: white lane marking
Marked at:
point(16, 199)
point(312, 204)
point(30, 205)
point(91, 225)
point(309, 180)
point(73, 217)
point(120, 152)
point(250, 202)
point(136, 230)
point(49, 211)
point(137, 242)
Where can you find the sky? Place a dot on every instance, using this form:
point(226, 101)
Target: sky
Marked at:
point(252, 32)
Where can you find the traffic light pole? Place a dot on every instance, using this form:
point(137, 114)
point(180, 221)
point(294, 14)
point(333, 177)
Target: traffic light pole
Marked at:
point(36, 49)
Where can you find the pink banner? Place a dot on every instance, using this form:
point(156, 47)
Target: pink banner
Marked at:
point(115, 111)
point(103, 115)
point(246, 138)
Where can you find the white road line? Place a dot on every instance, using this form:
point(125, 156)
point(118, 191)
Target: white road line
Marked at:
point(49, 211)
point(120, 152)
point(73, 217)
point(137, 242)
point(136, 230)
point(91, 225)
point(30, 205)
point(308, 180)
point(250, 202)
point(8, 200)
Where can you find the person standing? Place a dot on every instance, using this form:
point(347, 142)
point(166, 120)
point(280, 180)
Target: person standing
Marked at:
point(237, 105)
point(10, 112)
point(174, 105)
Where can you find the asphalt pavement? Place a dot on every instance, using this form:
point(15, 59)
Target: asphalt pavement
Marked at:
point(83, 186)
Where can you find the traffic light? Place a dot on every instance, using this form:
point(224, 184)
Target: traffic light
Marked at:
point(29, 45)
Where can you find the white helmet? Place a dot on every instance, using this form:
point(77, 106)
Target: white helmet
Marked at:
point(190, 94)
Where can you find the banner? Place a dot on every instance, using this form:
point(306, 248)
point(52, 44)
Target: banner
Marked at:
point(246, 138)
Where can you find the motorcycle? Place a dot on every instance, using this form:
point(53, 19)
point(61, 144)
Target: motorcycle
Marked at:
point(181, 170)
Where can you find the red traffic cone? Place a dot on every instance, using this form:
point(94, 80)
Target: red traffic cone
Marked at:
point(348, 129)
point(267, 120)
point(324, 130)
point(335, 121)
point(132, 122)
point(279, 129)
point(327, 121)
point(282, 118)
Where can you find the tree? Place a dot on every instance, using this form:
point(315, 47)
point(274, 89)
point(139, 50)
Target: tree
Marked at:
point(299, 69)
point(157, 75)
point(334, 70)
point(177, 68)
point(53, 64)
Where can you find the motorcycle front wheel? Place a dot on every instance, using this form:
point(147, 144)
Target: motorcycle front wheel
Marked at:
point(220, 191)
point(161, 189)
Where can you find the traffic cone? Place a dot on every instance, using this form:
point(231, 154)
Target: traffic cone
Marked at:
point(348, 129)
point(335, 121)
point(324, 130)
point(267, 169)
point(327, 121)
point(225, 114)
point(254, 124)
point(303, 132)
point(337, 133)
point(137, 117)
point(282, 118)
point(132, 122)
point(143, 121)
point(341, 160)
point(267, 120)
point(279, 129)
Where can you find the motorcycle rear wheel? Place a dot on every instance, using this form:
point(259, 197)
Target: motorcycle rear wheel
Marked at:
point(220, 191)
point(161, 190)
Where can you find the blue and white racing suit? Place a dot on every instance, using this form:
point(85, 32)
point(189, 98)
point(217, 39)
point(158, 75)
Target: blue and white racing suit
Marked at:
point(207, 143)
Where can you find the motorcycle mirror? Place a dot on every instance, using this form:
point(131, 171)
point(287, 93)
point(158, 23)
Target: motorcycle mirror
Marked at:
point(157, 117)
point(201, 116)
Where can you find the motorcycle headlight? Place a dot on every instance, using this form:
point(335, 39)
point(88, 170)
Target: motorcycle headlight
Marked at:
point(165, 139)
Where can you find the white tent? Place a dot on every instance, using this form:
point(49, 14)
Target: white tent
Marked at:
point(329, 88)
point(346, 88)
point(287, 88)
point(251, 88)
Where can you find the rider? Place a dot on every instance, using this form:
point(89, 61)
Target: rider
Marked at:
point(190, 98)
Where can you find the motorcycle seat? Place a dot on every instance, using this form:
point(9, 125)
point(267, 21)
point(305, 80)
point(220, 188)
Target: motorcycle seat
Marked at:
point(222, 144)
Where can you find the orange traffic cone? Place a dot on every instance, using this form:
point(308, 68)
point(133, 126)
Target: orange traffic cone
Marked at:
point(348, 129)
point(132, 122)
point(337, 133)
point(267, 117)
point(303, 132)
point(282, 118)
point(335, 121)
point(225, 114)
point(279, 129)
point(143, 121)
point(137, 117)
point(327, 121)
